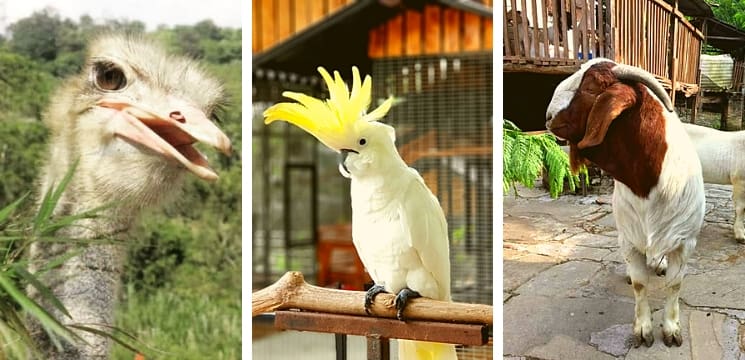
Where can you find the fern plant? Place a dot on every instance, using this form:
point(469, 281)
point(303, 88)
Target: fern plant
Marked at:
point(524, 156)
point(18, 230)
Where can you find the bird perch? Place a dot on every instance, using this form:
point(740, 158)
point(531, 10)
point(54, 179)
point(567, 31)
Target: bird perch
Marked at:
point(292, 292)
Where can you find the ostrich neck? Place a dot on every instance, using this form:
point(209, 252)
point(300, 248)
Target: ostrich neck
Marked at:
point(88, 283)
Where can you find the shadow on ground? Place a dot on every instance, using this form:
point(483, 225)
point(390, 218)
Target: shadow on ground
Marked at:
point(565, 291)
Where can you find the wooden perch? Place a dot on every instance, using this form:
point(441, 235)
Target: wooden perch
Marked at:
point(292, 292)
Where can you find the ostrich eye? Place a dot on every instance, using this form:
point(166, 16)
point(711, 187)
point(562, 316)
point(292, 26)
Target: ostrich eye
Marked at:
point(109, 76)
point(363, 141)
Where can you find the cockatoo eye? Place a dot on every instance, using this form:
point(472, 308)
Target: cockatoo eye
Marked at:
point(363, 142)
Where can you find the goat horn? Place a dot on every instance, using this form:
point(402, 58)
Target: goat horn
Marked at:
point(627, 72)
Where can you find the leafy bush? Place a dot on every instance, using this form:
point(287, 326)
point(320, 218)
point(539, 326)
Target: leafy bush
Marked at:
point(525, 156)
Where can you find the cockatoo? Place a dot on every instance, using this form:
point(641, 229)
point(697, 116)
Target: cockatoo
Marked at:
point(398, 227)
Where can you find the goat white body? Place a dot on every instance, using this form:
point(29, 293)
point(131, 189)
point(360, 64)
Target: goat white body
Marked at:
point(721, 158)
point(663, 225)
point(656, 223)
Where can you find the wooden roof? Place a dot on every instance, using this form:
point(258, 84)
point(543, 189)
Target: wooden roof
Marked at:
point(338, 33)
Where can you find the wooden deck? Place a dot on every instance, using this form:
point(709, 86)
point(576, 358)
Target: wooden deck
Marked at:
point(556, 36)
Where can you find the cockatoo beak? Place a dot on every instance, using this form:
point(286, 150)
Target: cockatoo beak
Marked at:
point(170, 133)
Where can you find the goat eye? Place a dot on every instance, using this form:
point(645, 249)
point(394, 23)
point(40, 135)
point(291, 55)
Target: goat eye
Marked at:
point(363, 141)
point(109, 76)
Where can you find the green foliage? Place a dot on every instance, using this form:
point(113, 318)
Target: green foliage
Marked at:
point(18, 230)
point(24, 87)
point(729, 11)
point(525, 156)
point(21, 147)
point(183, 325)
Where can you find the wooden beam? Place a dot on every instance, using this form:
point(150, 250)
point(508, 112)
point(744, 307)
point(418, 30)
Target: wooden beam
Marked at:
point(674, 57)
point(466, 334)
point(541, 69)
point(292, 292)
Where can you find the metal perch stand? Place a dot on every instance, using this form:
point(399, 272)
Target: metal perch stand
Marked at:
point(342, 312)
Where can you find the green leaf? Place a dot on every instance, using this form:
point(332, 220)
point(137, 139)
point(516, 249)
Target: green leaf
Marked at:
point(111, 336)
point(8, 210)
point(34, 309)
point(52, 197)
point(43, 290)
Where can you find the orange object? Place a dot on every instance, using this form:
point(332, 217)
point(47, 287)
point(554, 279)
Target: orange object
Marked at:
point(139, 357)
point(338, 262)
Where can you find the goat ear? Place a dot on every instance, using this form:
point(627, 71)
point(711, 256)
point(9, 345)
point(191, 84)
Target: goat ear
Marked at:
point(608, 105)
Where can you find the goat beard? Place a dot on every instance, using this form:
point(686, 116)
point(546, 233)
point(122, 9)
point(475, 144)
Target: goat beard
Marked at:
point(576, 160)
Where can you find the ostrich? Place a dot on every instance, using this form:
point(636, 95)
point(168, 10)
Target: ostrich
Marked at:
point(129, 120)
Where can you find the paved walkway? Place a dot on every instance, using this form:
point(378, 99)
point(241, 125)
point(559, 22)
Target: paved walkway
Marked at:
point(565, 291)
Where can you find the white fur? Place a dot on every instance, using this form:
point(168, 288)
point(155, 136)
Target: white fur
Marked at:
point(665, 224)
point(721, 158)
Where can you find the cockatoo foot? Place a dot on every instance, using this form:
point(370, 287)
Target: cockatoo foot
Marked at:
point(370, 296)
point(401, 299)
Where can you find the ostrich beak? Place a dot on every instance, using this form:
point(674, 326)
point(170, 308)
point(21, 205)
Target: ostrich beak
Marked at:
point(170, 134)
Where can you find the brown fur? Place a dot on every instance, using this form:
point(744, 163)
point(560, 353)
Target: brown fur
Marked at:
point(617, 126)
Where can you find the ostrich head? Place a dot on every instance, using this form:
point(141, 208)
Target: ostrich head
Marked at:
point(131, 118)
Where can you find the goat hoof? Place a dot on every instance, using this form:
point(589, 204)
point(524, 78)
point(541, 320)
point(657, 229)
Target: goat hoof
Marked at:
point(673, 338)
point(646, 338)
point(741, 241)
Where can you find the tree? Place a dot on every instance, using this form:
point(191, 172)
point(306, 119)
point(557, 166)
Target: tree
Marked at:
point(36, 35)
point(729, 11)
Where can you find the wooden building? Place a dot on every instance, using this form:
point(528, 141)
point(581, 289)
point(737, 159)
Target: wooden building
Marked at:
point(546, 40)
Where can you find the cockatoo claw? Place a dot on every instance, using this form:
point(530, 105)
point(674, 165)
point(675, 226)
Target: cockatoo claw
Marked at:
point(370, 296)
point(401, 299)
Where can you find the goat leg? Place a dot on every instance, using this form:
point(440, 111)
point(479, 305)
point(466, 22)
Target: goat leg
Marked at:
point(671, 321)
point(738, 198)
point(639, 273)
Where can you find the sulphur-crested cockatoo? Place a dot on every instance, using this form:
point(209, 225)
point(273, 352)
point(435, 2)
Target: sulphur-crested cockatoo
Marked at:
point(398, 227)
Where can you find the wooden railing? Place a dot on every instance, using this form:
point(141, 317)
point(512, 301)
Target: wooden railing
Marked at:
point(633, 32)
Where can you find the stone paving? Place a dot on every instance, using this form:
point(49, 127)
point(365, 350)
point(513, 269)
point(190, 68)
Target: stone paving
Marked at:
point(566, 295)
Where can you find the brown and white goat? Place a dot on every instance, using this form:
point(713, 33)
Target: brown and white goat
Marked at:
point(621, 119)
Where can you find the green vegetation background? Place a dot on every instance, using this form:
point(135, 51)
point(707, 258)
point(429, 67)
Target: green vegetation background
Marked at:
point(182, 287)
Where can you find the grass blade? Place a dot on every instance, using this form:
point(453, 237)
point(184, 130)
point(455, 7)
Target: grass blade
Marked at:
point(43, 290)
point(106, 335)
point(8, 210)
point(35, 310)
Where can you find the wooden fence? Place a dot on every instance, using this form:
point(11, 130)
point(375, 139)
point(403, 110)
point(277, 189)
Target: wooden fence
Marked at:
point(546, 33)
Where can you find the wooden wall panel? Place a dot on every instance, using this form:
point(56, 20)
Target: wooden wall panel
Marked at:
point(471, 32)
point(302, 14)
point(285, 19)
point(334, 5)
point(452, 36)
point(395, 36)
point(376, 42)
point(317, 10)
point(432, 30)
point(256, 26)
point(436, 30)
point(488, 35)
point(268, 23)
point(413, 33)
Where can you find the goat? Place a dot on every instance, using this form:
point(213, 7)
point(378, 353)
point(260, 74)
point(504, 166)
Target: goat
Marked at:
point(721, 164)
point(610, 116)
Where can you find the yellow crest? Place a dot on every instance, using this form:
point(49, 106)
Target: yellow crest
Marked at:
point(337, 121)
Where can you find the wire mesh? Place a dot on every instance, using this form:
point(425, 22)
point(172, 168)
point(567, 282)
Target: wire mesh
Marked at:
point(443, 119)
